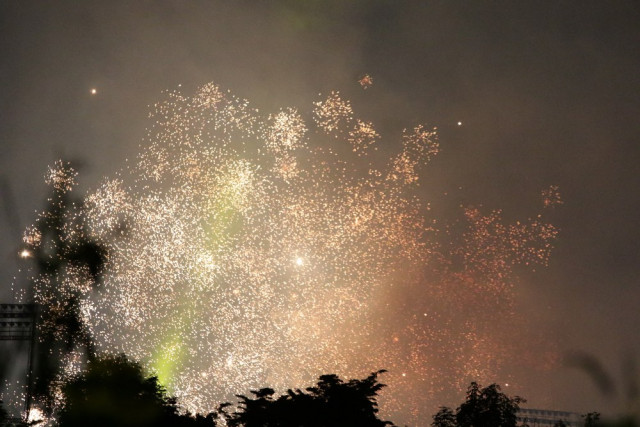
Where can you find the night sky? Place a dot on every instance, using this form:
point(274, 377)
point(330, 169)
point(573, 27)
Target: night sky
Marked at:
point(547, 93)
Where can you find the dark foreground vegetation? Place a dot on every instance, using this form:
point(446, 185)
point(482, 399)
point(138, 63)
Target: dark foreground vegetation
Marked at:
point(489, 407)
point(483, 407)
point(114, 392)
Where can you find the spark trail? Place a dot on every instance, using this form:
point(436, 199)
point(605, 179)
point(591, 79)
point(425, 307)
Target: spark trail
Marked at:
point(250, 250)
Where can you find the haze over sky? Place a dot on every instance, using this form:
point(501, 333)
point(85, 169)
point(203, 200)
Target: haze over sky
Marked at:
point(548, 93)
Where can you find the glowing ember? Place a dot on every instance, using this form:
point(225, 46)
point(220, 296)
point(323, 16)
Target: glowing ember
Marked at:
point(551, 196)
point(366, 81)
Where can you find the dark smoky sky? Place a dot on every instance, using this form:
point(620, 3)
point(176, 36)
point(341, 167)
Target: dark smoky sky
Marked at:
point(548, 93)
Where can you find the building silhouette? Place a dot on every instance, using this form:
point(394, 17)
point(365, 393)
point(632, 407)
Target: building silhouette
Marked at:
point(547, 418)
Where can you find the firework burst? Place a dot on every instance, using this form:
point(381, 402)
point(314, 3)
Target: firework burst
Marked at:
point(249, 250)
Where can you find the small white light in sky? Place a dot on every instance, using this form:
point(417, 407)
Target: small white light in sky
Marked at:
point(299, 261)
point(404, 375)
point(459, 123)
point(25, 253)
point(94, 91)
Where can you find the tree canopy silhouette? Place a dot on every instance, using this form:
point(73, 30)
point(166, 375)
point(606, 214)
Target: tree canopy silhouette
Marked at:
point(114, 392)
point(331, 403)
point(445, 417)
point(483, 407)
point(61, 247)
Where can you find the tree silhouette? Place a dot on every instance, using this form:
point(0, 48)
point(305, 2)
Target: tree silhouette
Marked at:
point(592, 419)
point(63, 251)
point(114, 392)
point(331, 403)
point(488, 407)
point(483, 407)
point(3, 412)
point(444, 418)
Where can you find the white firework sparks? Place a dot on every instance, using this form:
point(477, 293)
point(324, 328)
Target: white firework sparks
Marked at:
point(249, 251)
